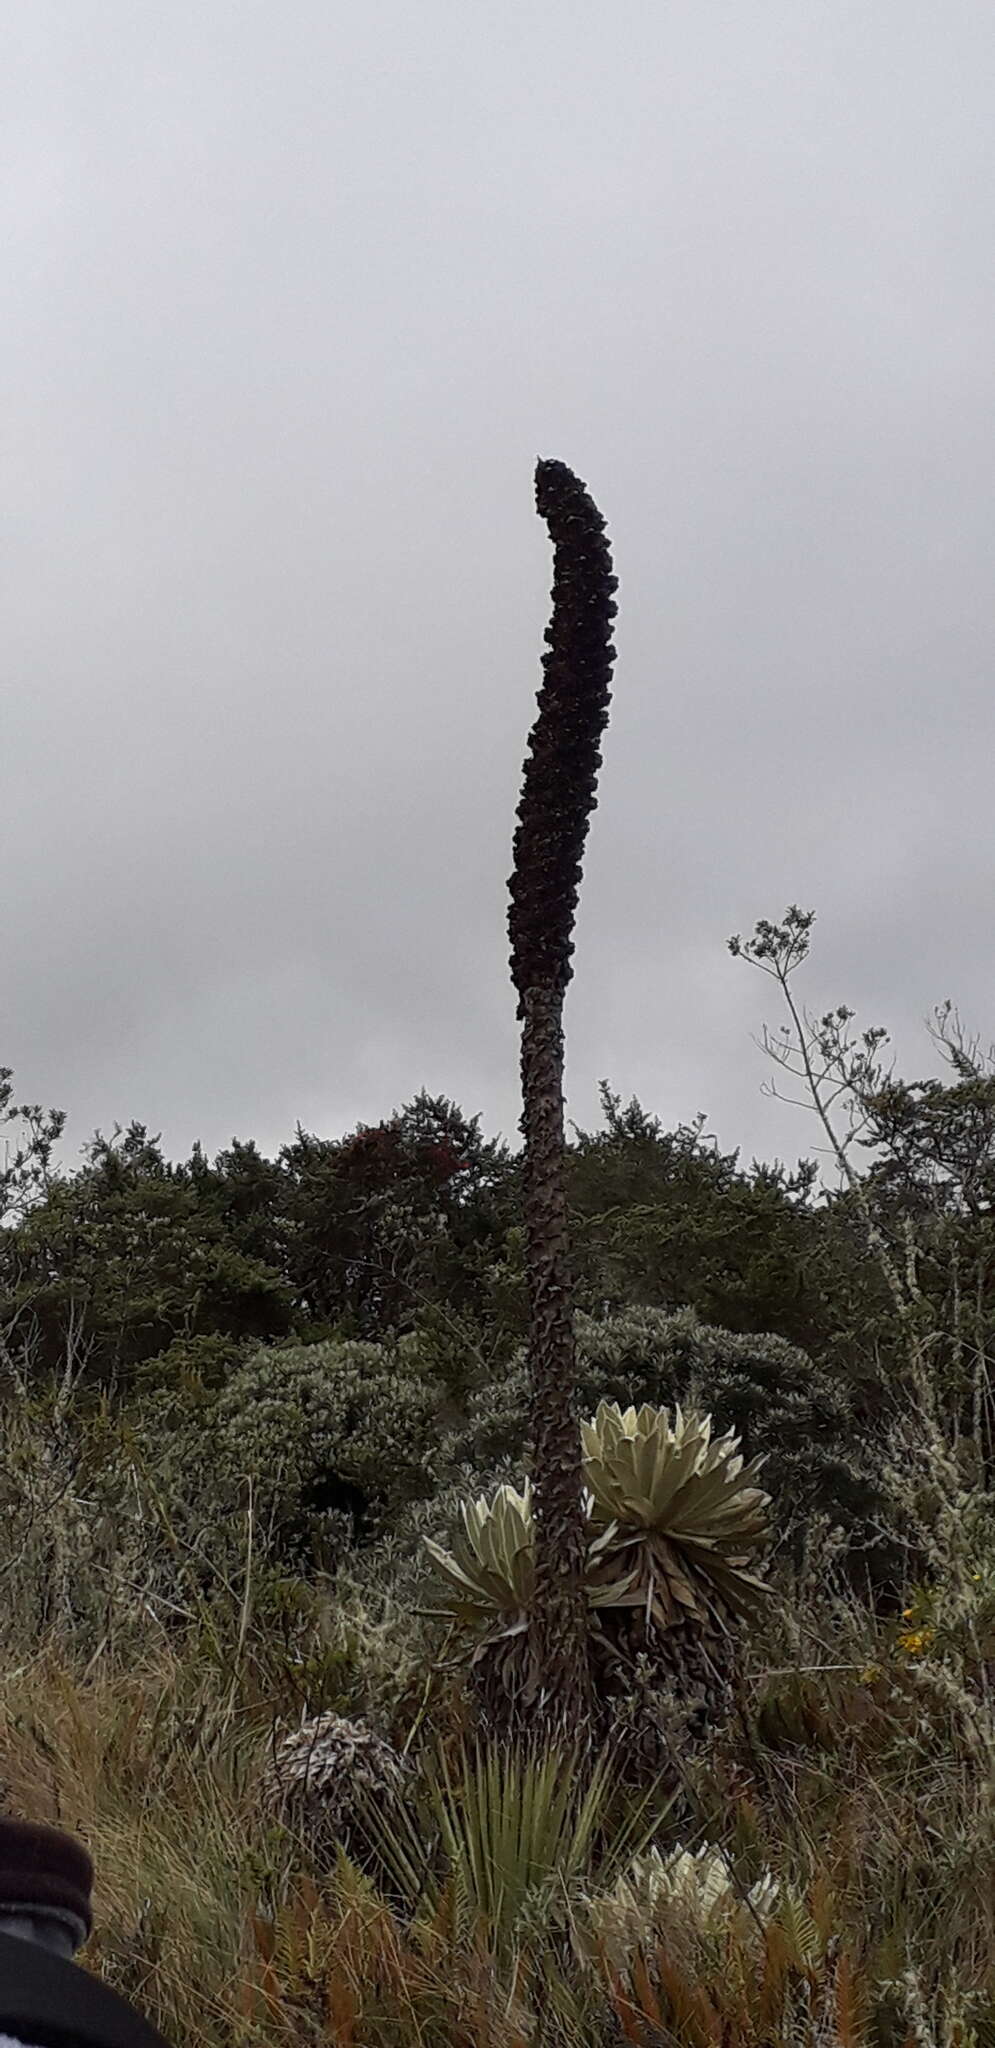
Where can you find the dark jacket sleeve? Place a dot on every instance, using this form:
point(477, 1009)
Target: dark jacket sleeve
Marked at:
point(47, 2002)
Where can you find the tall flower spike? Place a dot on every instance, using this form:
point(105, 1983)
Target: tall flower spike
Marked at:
point(557, 799)
point(558, 789)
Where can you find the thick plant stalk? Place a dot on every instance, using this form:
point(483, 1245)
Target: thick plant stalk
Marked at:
point(558, 795)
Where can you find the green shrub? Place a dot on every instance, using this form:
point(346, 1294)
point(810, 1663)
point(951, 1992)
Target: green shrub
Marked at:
point(340, 1428)
point(326, 1442)
point(207, 1361)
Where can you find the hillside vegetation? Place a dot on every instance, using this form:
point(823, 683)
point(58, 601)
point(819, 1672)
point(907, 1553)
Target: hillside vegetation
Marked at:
point(238, 1397)
point(485, 1600)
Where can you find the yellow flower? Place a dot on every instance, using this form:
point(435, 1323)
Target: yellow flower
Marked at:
point(915, 1641)
point(872, 1672)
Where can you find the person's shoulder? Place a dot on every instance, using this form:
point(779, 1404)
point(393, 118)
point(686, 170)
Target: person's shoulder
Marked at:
point(48, 2002)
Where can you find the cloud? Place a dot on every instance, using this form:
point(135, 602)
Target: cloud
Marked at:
point(293, 303)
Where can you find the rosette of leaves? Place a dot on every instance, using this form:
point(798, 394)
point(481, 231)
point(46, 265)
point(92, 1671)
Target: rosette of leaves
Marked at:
point(682, 1520)
point(673, 1521)
point(489, 1589)
point(658, 1894)
point(770, 1392)
point(319, 1779)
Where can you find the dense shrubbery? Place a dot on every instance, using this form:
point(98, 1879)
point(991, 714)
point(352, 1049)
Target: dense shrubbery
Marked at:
point(344, 1427)
point(325, 1443)
point(357, 1431)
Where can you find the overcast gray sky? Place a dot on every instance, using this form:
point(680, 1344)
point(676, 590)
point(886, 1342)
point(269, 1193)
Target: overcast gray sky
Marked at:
point(292, 297)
